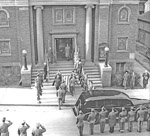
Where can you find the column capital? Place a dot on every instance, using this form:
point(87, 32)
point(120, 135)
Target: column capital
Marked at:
point(89, 6)
point(41, 7)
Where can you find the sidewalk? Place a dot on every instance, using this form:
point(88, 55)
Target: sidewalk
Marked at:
point(27, 96)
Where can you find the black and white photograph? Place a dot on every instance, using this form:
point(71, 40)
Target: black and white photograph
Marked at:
point(74, 67)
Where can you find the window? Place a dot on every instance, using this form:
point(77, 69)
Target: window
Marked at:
point(122, 43)
point(120, 67)
point(141, 36)
point(4, 18)
point(123, 15)
point(5, 49)
point(64, 15)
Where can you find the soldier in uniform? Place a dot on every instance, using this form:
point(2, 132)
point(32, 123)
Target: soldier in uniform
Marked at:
point(112, 119)
point(40, 78)
point(45, 72)
point(38, 87)
point(60, 97)
point(63, 86)
point(102, 120)
point(22, 130)
point(122, 119)
point(57, 83)
point(4, 127)
point(72, 83)
point(131, 118)
point(91, 119)
point(39, 130)
point(80, 123)
point(140, 117)
point(148, 119)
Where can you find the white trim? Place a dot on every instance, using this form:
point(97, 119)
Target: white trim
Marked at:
point(8, 40)
point(126, 43)
point(8, 16)
point(129, 13)
point(125, 2)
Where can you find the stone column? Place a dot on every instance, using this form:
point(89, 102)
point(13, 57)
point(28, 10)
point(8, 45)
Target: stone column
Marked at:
point(147, 6)
point(88, 32)
point(39, 28)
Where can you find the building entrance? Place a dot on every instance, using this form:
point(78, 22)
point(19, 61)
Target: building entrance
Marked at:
point(61, 44)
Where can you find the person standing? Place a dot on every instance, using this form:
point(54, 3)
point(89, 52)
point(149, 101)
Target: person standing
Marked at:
point(122, 119)
point(102, 119)
point(60, 97)
point(112, 119)
point(63, 86)
point(22, 130)
point(57, 83)
point(91, 88)
point(132, 80)
point(80, 123)
point(67, 52)
point(38, 87)
point(131, 118)
point(79, 69)
point(140, 117)
point(72, 83)
point(4, 127)
point(145, 78)
point(148, 118)
point(125, 79)
point(50, 55)
point(91, 119)
point(39, 130)
point(45, 72)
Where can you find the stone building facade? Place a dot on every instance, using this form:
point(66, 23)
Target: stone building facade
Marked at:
point(91, 25)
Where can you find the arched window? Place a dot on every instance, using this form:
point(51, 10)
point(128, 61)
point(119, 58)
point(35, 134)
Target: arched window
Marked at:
point(123, 15)
point(4, 18)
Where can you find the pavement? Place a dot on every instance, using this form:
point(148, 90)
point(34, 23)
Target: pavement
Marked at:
point(19, 96)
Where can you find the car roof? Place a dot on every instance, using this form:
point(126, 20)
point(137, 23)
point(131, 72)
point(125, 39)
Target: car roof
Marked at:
point(104, 94)
point(114, 97)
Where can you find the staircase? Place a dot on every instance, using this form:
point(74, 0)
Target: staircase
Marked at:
point(65, 67)
point(93, 73)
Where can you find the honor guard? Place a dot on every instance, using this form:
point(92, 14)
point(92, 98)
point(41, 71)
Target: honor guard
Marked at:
point(148, 118)
point(4, 127)
point(91, 120)
point(131, 118)
point(22, 130)
point(140, 117)
point(39, 130)
point(122, 119)
point(102, 119)
point(112, 119)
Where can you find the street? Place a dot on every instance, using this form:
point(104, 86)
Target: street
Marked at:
point(57, 122)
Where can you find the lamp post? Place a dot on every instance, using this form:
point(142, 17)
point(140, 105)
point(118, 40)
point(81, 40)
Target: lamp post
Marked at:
point(24, 52)
point(106, 59)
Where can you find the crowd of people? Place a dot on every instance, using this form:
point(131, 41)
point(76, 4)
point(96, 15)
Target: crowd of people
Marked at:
point(22, 130)
point(133, 115)
point(129, 79)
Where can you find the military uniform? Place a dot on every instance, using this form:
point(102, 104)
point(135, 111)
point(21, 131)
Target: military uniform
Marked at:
point(112, 120)
point(63, 86)
point(80, 123)
point(102, 120)
point(38, 87)
point(4, 128)
point(148, 120)
point(131, 118)
point(60, 96)
point(122, 120)
point(22, 131)
point(72, 85)
point(38, 131)
point(91, 120)
point(140, 116)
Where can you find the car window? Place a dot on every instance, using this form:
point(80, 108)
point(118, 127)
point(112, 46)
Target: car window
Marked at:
point(125, 103)
point(91, 104)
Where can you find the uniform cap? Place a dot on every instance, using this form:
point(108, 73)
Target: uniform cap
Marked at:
point(80, 112)
point(132, 108)
point(123, 108)
point(37, 124)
